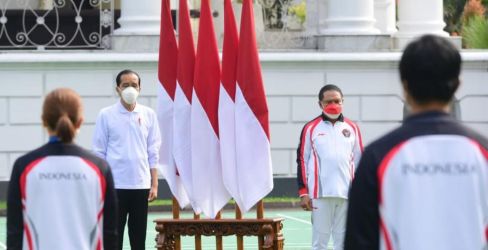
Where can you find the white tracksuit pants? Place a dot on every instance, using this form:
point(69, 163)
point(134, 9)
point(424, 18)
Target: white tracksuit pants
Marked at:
point(328, 217)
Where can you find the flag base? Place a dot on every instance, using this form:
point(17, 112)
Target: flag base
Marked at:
point(171, 229)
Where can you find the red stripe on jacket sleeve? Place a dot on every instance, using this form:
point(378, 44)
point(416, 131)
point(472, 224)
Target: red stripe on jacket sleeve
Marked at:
point(103, 184)
point(301, 151)
point(316, 162)
point(23, 176)
point(386, 235)
point(385, 163)
point(482, 149)
point(484, 152)
point(28, 235)
point(303, 167)
point(383, 167)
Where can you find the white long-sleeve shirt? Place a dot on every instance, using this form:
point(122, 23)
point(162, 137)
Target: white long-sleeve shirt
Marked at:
point(327, 157)
point(129, 142)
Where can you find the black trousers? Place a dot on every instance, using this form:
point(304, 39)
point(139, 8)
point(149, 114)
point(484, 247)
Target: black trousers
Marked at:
point(133, 206)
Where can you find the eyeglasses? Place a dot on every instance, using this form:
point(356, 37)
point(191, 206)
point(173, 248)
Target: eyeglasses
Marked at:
point(126, 85)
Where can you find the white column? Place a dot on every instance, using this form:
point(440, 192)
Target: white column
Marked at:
point(316, 16)
point(419, 17)
point(141, 17)
point(385, 14)
point(350, 17)
point(218, 6)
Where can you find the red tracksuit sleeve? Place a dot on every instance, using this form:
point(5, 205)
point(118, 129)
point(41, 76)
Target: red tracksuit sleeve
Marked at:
point(303, 154)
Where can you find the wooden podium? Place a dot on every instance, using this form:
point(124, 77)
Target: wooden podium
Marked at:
point(268, 231)
point(170, 229)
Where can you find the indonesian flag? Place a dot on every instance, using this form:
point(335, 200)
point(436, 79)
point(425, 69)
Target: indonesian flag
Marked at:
point(168, 52)
point(182, 100)
point(253, 156)
point(227, 105)
point(208, 188)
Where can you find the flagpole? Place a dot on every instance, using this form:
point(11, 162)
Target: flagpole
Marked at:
point(260, 215)
point(240, 239)
point(218, 238)
point(176, 215)
point(198, 238)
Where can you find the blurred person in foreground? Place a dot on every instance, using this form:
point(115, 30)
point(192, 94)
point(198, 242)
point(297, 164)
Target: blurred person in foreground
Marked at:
point(425, 184)
point(61, 196)
point(329, 150)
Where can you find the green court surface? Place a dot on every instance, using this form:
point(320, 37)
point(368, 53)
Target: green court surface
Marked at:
point(297, 231)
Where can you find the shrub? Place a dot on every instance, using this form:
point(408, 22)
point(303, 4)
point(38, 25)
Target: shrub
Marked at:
point(475, 33)
point(474, 25)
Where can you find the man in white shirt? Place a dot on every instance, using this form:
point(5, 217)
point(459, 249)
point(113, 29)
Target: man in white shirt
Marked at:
point(127, 136)
point(328, 153)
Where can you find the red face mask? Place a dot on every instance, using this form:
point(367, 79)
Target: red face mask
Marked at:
point(333, 110)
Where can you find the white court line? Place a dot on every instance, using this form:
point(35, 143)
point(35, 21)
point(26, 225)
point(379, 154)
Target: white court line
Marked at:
point(3, 246)
point(295, 219)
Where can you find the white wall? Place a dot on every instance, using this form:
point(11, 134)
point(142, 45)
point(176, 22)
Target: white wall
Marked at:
point(292, 80)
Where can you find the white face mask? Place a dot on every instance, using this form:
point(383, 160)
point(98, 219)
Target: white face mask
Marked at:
point(129, 95)
point(332, 116)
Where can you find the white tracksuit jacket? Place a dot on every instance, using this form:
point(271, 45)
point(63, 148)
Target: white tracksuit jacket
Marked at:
point(327, 157)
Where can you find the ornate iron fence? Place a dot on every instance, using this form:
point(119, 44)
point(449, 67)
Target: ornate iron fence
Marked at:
point(56, 24)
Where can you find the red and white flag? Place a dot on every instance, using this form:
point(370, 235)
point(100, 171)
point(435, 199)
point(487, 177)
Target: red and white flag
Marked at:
point(167, 66)
point(253, 156)
point(209, 192)
point(227, 105)
point(182, 100)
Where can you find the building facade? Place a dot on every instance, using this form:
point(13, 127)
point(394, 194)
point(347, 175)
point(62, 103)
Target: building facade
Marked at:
point(368, 75)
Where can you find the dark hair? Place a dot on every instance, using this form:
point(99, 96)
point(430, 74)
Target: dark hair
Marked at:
point(126, 72)
point(429, 69)
point(61, 110)
point(327, 88)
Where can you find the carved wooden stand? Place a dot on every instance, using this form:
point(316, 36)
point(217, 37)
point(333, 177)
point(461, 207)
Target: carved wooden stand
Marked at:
point(170, 229)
